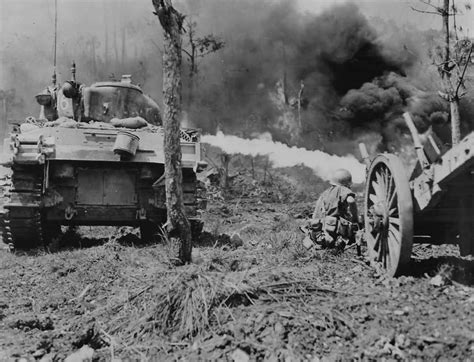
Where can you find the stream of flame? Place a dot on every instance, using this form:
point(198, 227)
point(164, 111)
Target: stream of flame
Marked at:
point(282, 155)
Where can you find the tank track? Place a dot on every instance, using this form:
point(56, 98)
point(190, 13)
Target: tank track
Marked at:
point(4, 198)
point(20, 212)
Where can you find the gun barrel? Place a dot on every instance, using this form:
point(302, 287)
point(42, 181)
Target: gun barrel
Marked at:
point(364, 153)
point(414, 132)
point(416, 140)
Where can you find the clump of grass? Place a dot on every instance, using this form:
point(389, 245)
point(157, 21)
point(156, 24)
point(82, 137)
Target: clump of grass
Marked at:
point(184, 305)
point(189, 300)
point(186, 308)
point(282, 240)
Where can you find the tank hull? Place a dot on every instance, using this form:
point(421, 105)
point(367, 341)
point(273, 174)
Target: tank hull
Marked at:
point(72, 176)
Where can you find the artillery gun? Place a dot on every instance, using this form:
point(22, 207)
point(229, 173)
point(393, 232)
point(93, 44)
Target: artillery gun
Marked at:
point(93, 157)
point(435, 204)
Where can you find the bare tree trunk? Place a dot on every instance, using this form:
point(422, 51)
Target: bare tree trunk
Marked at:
point(192, 63)
point(124, 42)
point(4, 125)
point(224, 172)
point(106, 37)
point(445, 15)
point(253, 167)
point(455, 120)
point(171, 21)
point(300, 95)
point(446, 76)
point(114, 41)
point(452, 80)
point(192, 72)
point(265, 172)
point(93, 55)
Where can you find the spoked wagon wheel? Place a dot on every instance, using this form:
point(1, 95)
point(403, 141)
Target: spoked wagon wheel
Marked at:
point(388, 215)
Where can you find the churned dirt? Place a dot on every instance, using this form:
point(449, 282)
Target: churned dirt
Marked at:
point(253, 291)
point(269, 298)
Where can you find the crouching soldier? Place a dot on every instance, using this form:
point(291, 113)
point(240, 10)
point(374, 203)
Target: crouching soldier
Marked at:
point(334, 221)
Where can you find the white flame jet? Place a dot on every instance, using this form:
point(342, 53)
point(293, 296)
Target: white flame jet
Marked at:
point(281, 155)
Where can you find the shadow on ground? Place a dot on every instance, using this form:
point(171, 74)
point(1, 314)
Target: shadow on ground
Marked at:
point(454, 268)
point(73, 238)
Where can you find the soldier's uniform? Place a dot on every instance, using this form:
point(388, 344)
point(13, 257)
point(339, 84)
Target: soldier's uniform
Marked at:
point(335, 215)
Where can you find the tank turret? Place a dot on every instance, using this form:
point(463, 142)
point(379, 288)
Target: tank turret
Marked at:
point(100, 102)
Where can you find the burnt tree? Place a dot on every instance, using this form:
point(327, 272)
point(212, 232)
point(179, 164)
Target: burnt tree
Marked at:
point(177, 224)
point(452, 57)
point(198, 47)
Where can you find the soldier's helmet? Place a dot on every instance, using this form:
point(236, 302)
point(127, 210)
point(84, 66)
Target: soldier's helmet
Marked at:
point(341, 177)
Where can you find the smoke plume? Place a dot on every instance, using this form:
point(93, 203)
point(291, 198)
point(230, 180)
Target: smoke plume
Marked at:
point(359, 76)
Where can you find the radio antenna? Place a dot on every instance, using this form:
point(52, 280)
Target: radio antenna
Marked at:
point(55, 39)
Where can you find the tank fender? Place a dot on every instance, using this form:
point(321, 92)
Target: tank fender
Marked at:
point(32, 148)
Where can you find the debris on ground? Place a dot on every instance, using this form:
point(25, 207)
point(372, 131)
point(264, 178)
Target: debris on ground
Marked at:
point(254, 291)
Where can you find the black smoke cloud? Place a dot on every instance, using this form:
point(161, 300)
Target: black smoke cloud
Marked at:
point(358, 77)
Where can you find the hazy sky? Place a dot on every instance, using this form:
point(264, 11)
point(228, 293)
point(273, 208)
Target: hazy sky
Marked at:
point(31, 17)
point(16, 11)
point(397, 10)
point(32, 20)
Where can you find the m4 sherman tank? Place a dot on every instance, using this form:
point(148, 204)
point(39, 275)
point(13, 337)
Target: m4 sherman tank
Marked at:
point(93, 157)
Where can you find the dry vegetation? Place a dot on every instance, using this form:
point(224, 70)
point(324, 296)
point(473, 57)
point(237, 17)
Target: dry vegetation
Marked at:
point(267, 299)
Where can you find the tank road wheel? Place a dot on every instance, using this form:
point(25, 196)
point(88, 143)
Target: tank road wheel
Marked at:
point(388, 215)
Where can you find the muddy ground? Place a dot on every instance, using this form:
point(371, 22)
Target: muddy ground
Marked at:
point(268, 299)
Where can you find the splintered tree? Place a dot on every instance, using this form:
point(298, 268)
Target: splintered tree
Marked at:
point(452, 57)
point(198, 47)
point(177, 225)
